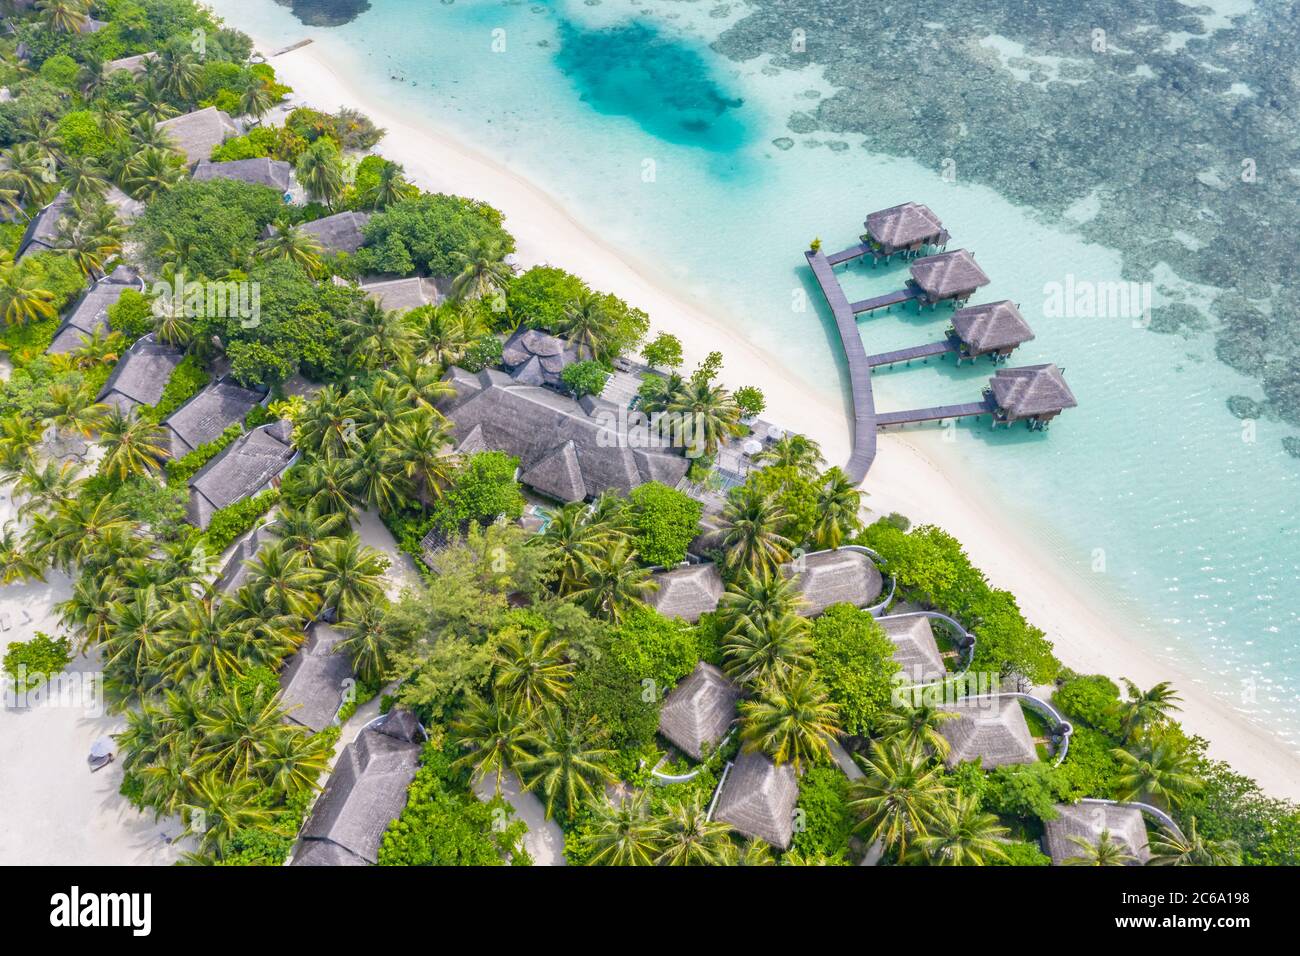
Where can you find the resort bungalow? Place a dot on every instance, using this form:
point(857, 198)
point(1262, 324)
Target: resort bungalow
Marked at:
point(842, 576)
point(1086, 821)
point(568, 450)
point(915, 648)
point(235, 571)
point(341, 232)
point(42, 233)
point(699, 711)
point(91, 313)
point(1034, 394)
point(252, 463)
point(128, 209)
point(533, 357)
point(686, 593)
point(135, 65)
point(991, 730)
point(260, 171)
point(758, 799)
point(993, 329)
point(141, 374)
point(316, 679)
point(908, 229)
point(197, 134)
point(365, 793)
point(209, 413)
point(403, 295)
point(947, 277)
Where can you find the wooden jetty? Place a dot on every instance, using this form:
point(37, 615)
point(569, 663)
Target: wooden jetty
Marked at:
point(908, 354)
point(897, 297)
point(934, 414)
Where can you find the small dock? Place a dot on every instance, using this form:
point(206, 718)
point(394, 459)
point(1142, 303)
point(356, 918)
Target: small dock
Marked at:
point(844, 255)
point(907, 355)
point(897, 297)
point(935, 414)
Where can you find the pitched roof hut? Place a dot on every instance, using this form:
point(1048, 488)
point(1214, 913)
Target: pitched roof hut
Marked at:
point(315, 679)
point(905, 228)
point(841, 576)
point(42, 232)
point(250, 464)
point(91, 313)
point(1033, 393)
point(365, 793)
point(993, 328)
point(341, 232)
point(128, 209)
point(568, 450)
point(697, 713)
point(197, 134)
point(688, 592)
point(403, 295)
point(260, 171)
point(536, 358)
point(235, 570)
point(141, 374)
point(135, 65)
point(209, 413)
point(989, 729)
point(915, 648)
point(758, 799)
point(948, 276)
point(1086, 821)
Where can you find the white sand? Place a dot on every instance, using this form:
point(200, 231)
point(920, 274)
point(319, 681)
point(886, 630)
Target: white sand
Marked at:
point(1088, 635)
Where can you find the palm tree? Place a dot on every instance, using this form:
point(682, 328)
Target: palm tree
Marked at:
point(176, 71)
point(76, 530)
point(793, 451)
point(962, 834)
point(378, 477)
point(64, 16)
point(29, 170)
point(690, 838)
point(567, 761)
point(44, 485)
point(326, 484)
point(378, 335)
point(202, 638)
point(623, 833)
point(151, 172)
point(302, 529)
point(133, 445)
point(1146, 709)
point(85, 178)
point(293, 760)
point(757, 600)
point(448, 332)
point(224, 807)
point(101, 347)
point(369, 641)
point(706, 415)
point(533, 671)
point(574, 542)
point(1158, 769)
point(483, 271)
point(72, 410)
point(495, 736)
point(612, 583)
point(587, 324)
point(750, 536)
point(284, 579)
point(917, 729)
point(328, 426)
point(419, 382)
point(237, 729)
point(389, 188)
point(791, 721)
point(88, 609)
point(351, 574)
point(754, 656)
point(23, 298)
point(291, 242)
point(137, 642)
point(838, 502)
point(15, 563)
point(1169, 849)
point(1106, 851)
point(900, 797)
point(256, 99)
point(321, 172)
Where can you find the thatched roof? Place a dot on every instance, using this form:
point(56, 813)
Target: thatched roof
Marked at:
point(991, 730)
point(314, 680)
point(698, 711)
point(246, 466)
point(341, 232)
point(197, 134)
point(834, 577)
point(402, 295)
point(687, 593)
point(758, 799)
point(991, 326)
point(88, 317)
point(905, 225)
point(1086, 821)
point(366, 792)
point(205, 416)
point(128, 209)
point(536, 358)
point(948, 274)
point(141, 374)
point(1031, 390)
point(133, 64)
point(324, 853)
point(915, 648)
point(260, 171)
point(568, 450)
point(42, 233)
point(235, 570)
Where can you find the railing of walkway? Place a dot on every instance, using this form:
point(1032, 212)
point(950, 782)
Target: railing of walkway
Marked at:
point(1162, 818)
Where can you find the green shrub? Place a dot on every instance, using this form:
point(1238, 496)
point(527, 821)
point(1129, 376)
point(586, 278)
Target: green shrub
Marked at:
point(81, 135)
point(180, 470)
point(482, 489)
point(484, 352)
point(132, 315)
point(185, 382)
point(428, 233)
point(655, 648)
point(60, 70)
point(585, 378)
point(825, 821)
point(1091, 699)
point(750, 400)
point(666, 521)
point(1020, 853)
point(664, 351)
point(855, 661)
point(234, 520)
point(30, 663)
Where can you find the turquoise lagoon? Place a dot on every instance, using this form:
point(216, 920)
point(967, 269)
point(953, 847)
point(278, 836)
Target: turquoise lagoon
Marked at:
point(1198, 526)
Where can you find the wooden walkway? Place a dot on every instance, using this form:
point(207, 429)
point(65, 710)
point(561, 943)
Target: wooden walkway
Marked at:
point(937, 413)
point(906, 355)
point(844, 255)
point(864, 403)
point(897, 297)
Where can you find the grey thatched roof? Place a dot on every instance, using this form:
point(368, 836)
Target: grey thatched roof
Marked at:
point(1086, 821)
point(205, 416)
point(260, 171)
point(567, 450)
point(324, 853)
point(128, 209)
point(948, 274)
point(536, 358)
point(197, 134)
point(991, 730)
point(834, 577)
point(134, 64)
point(42, 233)
point(88, 317)
point(1031, 390)
point(315, 679)
point(758, 799)
point(235, 570)
point(141, 374)
point(341, 232)
point(366, 792)
point(904, 225)
point(915, 648)
point(244, 467)
point(402, 295)
point(698, 711)
point(687, 593)
point(991, 326)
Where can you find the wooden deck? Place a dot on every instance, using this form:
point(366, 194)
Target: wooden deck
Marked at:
point(906, 355)
point(897, 297)
point(937, 413)
point(844, 255)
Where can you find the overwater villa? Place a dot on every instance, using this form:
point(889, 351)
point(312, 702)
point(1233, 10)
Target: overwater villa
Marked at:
point(947, 277)
point(992, 328)
point(699, 711)
point(909, 228)
point(758, 799)
point(209, 413)
point(1034, 394)
point(250, 464)
point(842, 576)
point(687, 593)
point(1086, 821)
point(991, 730)
point(316, 679)
point(90, 315)
point(141, 375)
point(533, 357)
point(261, 171)
point(197, 134)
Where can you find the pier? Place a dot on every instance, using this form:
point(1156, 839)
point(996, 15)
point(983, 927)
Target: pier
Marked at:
point(898, 297)
point(936, 414)
point(915, 352)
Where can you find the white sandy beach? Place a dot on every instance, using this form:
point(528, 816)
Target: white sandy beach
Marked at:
point(1088, 633)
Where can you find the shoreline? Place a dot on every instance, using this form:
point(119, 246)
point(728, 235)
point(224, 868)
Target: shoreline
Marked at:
point(1085, 626)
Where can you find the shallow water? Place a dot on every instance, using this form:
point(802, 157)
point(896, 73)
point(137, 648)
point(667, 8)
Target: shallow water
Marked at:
point(687, 160)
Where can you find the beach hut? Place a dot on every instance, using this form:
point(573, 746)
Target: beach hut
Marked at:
point(1086, 822)
point(403, 295)
point(697, 713)
point(758, 799)
point(273, 173)
point(687, 593)
point(250, 464)
point(906, 228)
point(197, 134)
point(135, 65)
point(341, 232)
point(533, 357)
point(1034, 394)
point(42, 232)
point(141, 374)
point(209, 413)
point(915, 648)
point(991, 730)
point(947, 277)
point(316, 679)
point(993, 329)
point(840, 576)
point(90, 315)
point(235, 570)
